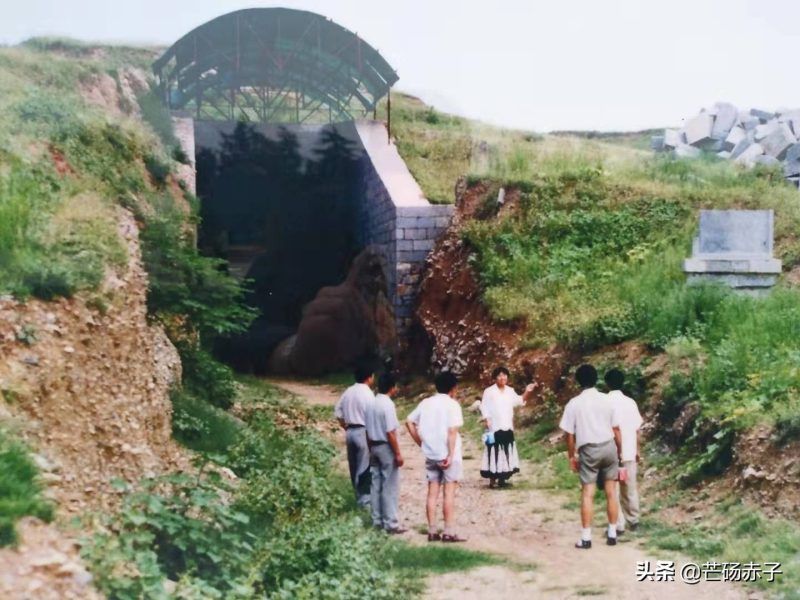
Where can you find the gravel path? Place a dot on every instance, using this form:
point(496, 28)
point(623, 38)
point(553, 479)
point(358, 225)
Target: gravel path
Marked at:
point(531, 528)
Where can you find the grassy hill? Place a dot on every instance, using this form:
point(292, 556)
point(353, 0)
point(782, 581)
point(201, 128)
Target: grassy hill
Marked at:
point(591, 255)
point(588, 260)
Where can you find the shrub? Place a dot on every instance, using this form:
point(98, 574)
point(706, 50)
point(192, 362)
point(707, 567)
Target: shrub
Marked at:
point(158, 169)
point(174, 528)
point(204, 377)
point(200, 426)
point(47, 281)
point(187, 286)
point(20, 491)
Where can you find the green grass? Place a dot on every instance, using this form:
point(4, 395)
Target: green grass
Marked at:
point(435, 559)
point(20, 490)
point(736, 533)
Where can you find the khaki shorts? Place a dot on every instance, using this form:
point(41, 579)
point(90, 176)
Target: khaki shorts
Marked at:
point(436, 474)
point(598, 459)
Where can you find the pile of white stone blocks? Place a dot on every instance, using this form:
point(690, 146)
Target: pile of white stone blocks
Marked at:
point(734, 247)
point(750, 138)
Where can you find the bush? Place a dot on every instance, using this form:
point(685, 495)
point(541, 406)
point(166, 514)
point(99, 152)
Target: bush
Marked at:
point(175, 528)
point(200, 426)
point(20, 491)
point(187, 287)
point(47, 281)
point(204, 377)
point(158, 169)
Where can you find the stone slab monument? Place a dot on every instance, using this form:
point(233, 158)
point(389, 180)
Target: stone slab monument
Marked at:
point(734, 247)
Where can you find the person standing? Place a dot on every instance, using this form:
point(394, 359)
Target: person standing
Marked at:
point(594, 445)
point(385, 456)
point(630, 422)
point(349, 412)
point(434, 426)
point(500, 460)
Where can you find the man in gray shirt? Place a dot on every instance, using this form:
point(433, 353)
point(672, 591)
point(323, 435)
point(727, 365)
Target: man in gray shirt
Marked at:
point(349, 412)
point(385, 456)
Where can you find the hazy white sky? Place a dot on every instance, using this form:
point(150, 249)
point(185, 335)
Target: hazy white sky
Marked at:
point(561, 64)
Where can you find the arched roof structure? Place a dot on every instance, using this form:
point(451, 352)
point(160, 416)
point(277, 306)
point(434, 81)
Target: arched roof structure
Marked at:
point(273, 65)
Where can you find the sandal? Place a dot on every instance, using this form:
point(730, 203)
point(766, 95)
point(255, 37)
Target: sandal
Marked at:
point(434, 537)
point(452, 538)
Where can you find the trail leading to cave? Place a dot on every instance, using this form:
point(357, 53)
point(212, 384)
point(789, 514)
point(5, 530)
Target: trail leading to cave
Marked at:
point(531, 528)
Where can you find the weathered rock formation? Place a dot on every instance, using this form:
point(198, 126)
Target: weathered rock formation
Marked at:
point(88, 386)
point(343, 324)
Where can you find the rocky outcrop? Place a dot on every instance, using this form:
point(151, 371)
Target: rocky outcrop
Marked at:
point(452, 318)
point(87, 382)
point(343, 323)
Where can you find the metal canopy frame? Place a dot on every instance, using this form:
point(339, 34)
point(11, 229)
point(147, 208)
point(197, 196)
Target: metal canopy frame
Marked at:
point(273, 65)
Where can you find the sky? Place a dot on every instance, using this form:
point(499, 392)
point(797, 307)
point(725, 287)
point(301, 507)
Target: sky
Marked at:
point(609, 65)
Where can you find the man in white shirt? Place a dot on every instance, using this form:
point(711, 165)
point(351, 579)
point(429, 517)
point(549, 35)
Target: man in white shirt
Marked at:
point(434, 426)
point(592, 429)
point(385, 456)
point(349, 412)
point(630, 421)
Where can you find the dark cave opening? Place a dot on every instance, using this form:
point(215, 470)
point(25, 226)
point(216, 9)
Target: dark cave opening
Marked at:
point(281, 205)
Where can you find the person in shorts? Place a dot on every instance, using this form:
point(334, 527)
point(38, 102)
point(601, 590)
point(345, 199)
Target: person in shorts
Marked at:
point(434, 425)
point(594, 445)
point(630, 422)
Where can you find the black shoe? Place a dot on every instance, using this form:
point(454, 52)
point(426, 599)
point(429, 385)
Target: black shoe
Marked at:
point(584, 545)
point(633, 526)
point(620, 532)
point(611, 541)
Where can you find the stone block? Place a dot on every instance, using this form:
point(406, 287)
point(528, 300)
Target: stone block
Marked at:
point(712, 145)
point(698, 129)
point(405, 245)
point(684, 151)
point(767, 160)
point(735, 135)
point(412, 256)
point(724, 155)
point(432, 210)
point(416, 234)
point(739, 148)
point(791, 168)
point(793, 152)
point(673, 138)
point(763, 131)
point(734, 247)
point(657, 143)
point(748, 156)
point(762, 115)
point(442, 222)
point(423, 245)
point(778, 142)
point(726, 117)
point(749, 122)
point(407, 222)
point(743, 232)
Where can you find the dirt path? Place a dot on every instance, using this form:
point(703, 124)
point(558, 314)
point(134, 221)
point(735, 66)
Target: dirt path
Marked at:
point(533, 530)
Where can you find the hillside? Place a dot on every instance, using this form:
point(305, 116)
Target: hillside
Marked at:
point(582, 262)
